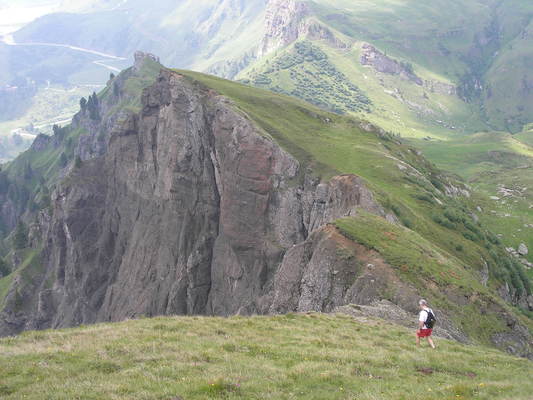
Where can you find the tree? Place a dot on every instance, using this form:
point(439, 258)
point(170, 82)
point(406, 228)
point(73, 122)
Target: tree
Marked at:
point(116, 90)
point(28, 171)
point(20, 239)
point(63, 159)
point(77, 162)
point(92, 106)
point(111, 76)
point(4, 268)
point(83, 104)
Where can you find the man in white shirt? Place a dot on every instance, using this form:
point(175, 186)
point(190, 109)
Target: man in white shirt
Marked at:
point(423, 330)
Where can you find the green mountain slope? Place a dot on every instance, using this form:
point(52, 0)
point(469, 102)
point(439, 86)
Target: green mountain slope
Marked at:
point(295, 356)
point(403, 180)
point(424, 72)
point(459, 66)
point(431, 240)
point(498, 167)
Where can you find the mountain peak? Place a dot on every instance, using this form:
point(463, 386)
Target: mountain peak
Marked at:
point(140, 58)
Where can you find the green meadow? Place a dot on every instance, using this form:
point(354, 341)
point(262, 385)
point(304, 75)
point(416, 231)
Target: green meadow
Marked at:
point(296, 356)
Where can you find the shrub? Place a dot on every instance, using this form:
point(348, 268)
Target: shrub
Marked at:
point(453, 216)
point(469, 236)
point(471, 227)
point(396, 210)
point(4, 268)
point(20, 238)
point(438, 184)
point(406, 222)
point(425, 197)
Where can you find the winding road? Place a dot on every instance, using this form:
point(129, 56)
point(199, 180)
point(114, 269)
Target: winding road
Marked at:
point(103, 59)
point(10, 41)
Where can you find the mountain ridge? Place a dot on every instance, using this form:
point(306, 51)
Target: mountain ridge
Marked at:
point(184, 189)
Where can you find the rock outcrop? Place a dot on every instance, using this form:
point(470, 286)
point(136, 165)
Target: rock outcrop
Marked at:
point(187, 208)
point(283, 21)
point(184, 205)
point(382, 63)
point(286, 21)
point(523, 250)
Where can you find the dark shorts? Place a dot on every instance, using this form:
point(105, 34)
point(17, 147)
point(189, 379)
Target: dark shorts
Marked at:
point(424, 333)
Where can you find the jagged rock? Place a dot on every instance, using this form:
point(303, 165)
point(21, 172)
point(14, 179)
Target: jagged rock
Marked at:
point(381, 63)
point(140, 58)
point(204, 215)
point(197, 220)
point(455, 190)
point(440, 87)
point(284, 23)
point(523, 250)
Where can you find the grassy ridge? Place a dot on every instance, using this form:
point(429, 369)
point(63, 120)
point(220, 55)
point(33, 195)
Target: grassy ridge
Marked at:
point(334, 144)
point(309, 356)
point(488, 162)
point(435, 272)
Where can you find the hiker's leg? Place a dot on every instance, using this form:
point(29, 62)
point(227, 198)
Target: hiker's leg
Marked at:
point(417, 339)
point(430, 341)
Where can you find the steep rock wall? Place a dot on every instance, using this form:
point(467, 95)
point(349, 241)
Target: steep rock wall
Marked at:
point(188, 208)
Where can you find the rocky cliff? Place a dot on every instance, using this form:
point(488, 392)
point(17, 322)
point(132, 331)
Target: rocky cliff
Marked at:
point(189, 210)
point(178, 202)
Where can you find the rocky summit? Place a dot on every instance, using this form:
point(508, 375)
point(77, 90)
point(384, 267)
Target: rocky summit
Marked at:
point(177, 193)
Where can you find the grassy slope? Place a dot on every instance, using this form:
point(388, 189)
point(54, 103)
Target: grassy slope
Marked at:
point(331, 145)
point(29, 267)
point(309, 356)
point(396, 104)
point(446, 41)
point(449, 38)
point(341, 146)
point(435, 272)
point(488, 161)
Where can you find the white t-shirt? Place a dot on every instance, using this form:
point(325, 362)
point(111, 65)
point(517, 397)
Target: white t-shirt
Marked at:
point(423, 316)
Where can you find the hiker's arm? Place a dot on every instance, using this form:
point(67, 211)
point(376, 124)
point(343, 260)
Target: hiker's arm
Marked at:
point(421, 320)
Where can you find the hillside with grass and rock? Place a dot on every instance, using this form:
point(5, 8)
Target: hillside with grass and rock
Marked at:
point(419, 72)
point(294, 356)
point(178, 193)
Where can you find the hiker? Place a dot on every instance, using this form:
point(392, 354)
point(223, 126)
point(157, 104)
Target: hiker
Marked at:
point(426, 320)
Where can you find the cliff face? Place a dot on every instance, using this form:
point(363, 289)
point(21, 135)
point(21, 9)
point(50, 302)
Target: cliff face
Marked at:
point(187, 209)
point(287, 21)
point(179, 203)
